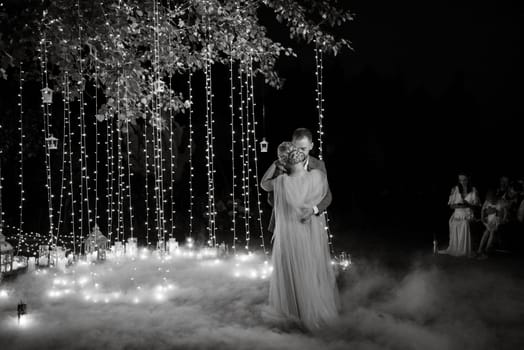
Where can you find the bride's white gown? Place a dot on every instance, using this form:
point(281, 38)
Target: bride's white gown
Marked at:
point(302, 285)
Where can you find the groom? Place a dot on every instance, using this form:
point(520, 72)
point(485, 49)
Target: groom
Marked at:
point(303, 140)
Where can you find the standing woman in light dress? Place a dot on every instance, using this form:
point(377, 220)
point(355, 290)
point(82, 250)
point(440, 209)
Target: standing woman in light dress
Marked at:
point(302, 285)
point(463, 200)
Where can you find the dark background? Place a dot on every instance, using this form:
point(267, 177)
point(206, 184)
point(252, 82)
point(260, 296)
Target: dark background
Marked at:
point(431, 88)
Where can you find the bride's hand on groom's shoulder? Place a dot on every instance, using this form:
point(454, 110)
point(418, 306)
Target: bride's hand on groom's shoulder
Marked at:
point(279, 167)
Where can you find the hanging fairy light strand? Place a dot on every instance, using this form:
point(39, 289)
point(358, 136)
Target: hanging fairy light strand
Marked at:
point(233, 173)
point(247, 124)
point(97, 138)
point(110, 165)
point(63, 178)
point(319, 99)
point(244, 157)
point(158, 88)
point(319, 74)
point(120, 173)
point(46, 112)
point(254, 149)
point(146, 176)
point(70, 134)
point(210, 141)
point(172, 159)
point(85, 211)
point(190, 150)
point(21, 154)
point(129, 172)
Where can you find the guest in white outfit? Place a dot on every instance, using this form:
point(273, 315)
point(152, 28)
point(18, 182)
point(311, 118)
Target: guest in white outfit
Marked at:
point(463, 199)
point(302, 286)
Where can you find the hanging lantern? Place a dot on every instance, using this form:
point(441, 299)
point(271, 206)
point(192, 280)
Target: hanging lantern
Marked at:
point(6, 256)
point(263, 145)
point(47, 95)
point(160, 86)
point(51, 142)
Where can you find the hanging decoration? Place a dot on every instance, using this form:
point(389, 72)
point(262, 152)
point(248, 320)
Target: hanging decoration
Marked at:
point(63, 179)
point(47, 95)
point(50, 141)
point(320, 109)
point(70, 134)
point(210, 152)
point(263, 145)
point(244, 136)
point(129, 187)
point(20, 235)
point(190, 150)
point(251, 101)
point(233, 158)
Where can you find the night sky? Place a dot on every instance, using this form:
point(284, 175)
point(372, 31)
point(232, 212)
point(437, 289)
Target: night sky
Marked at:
point(431, 88)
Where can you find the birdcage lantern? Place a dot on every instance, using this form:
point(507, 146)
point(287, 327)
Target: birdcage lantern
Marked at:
point(6, 256)
point(96, 244)
point(47, 95)
point(51, 142)
point(160, 86)
point(263, 145)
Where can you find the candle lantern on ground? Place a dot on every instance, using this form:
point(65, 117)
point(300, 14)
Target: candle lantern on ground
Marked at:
point(43, 255)
point(161, 245)
point(6, 256)
point(119, 249)
point(96, 243)
point(58, 257)
point(172, 245)
point(132, 246)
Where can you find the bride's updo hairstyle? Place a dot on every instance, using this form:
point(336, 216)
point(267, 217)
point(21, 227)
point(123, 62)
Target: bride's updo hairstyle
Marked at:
point(283, 151)
point(295, 156)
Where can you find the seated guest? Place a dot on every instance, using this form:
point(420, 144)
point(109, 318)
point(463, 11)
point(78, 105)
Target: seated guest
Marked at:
point(491, 215)
point(463, 199)
point(508, 225)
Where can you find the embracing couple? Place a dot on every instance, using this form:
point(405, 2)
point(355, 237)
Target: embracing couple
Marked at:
point(302, 286)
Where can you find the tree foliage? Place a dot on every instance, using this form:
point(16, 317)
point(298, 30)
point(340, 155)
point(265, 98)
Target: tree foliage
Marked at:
point(129, 48)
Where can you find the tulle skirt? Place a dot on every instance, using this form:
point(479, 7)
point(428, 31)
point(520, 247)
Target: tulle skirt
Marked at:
point(302, 285)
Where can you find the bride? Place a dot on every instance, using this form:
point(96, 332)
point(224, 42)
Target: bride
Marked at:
point(302, 285)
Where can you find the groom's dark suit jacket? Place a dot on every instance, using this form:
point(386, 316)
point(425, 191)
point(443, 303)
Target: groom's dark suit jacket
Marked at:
point(313, 163)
